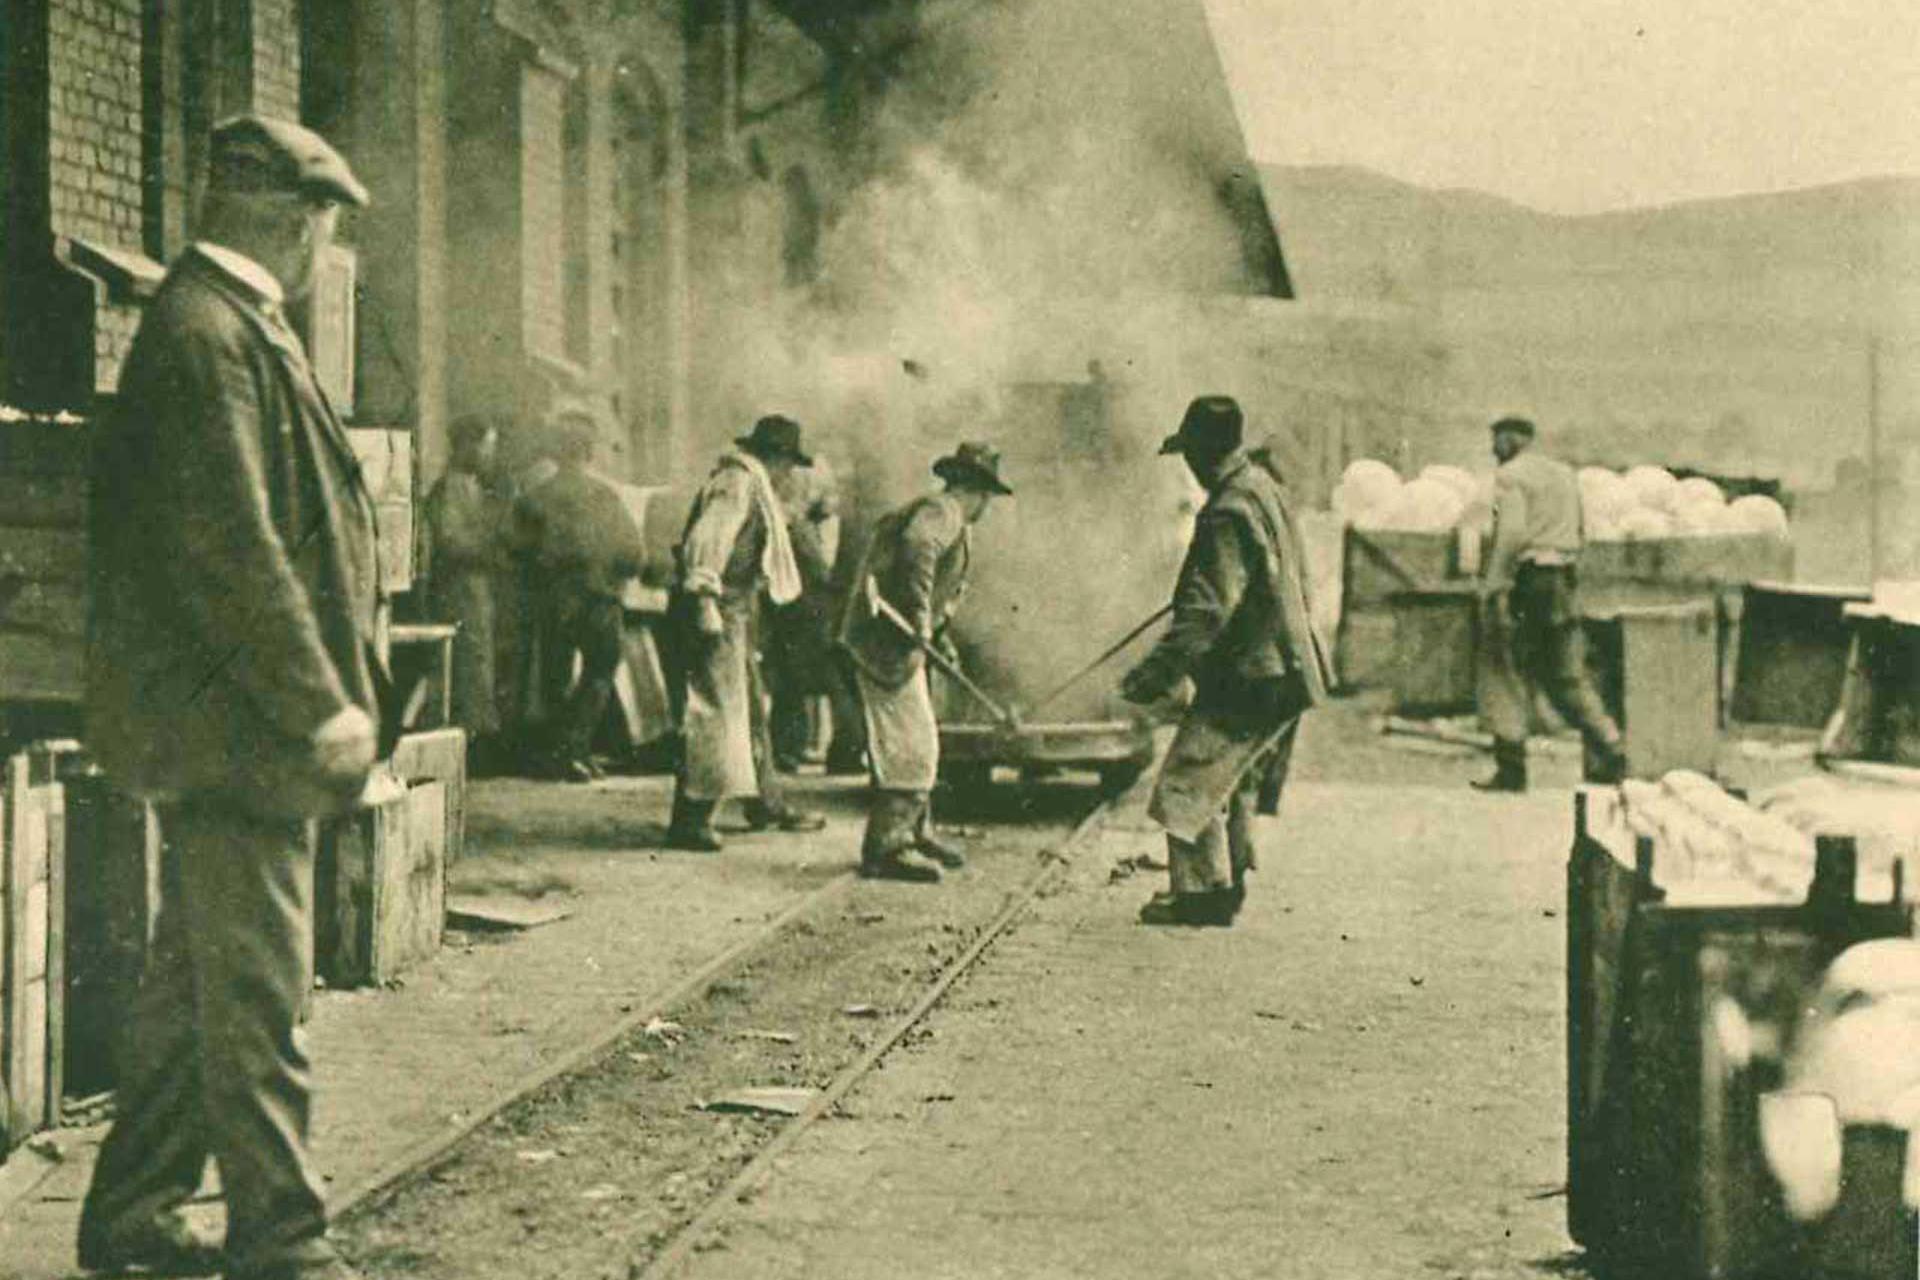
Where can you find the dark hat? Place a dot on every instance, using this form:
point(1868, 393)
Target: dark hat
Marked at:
point(1520, 426)
point(261, 153)
point(776, 436)
point(973, 465)
point(1213, 424)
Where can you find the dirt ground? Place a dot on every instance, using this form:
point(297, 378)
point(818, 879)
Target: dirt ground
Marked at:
point(588, 1176)
point(1363, 1078)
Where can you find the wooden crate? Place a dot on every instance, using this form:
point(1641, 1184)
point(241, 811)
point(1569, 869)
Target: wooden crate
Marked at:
point(1791, 660)
point(1436, 650)
point(380, 888)
point(113, 871)
point(32, 959)
point(439, 755)
point(43, 488)
point(1665, 1175)
point(1659, 672)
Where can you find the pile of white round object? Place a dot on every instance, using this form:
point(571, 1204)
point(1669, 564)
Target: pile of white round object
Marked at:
point(1641, 504)
point(1372, 496)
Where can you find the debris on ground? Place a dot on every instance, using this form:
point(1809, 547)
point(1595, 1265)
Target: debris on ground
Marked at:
point(772, 1100)
point(666, 1032)
point(605, 1191)
point(776, 1037)
point(542, 1155)
point(46, 1147)
point(861, 1011)
point(870, 917)
point(499, 915)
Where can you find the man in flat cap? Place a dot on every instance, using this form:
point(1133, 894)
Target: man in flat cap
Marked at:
point(579, 544)
point(1242, 632)
point(917, 563)
point(1529, 583)
point(736, 549)
point(231, 677)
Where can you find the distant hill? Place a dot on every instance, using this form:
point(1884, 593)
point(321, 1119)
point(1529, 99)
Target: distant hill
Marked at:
point(1728, 332)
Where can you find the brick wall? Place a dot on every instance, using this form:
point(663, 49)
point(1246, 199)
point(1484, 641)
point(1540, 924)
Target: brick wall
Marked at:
point(95, 144)
point(543, 211)
point(276, 57)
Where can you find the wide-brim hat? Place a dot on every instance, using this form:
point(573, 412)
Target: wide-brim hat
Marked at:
point(776, 436)
point(1519, 426)
point(253, 153)
point(973, 466)
point(1212, 425)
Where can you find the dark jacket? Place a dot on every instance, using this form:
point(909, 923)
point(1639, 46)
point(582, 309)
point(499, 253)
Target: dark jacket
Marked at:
point(234, 582)
point(1241, 616)
point(917, 559)
point(578, 536)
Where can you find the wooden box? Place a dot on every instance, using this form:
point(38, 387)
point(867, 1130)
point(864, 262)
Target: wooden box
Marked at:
point(1436, 639)
point(32, 979)
point(1660, 674)
point(113, 871)
point(439, 755)
point(381, 888)
point(1665, 1174)
point(1791, 660)
point(43, 557)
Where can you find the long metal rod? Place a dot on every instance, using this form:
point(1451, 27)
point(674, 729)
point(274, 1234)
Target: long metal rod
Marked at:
point(886, 610)
point(1100, 661)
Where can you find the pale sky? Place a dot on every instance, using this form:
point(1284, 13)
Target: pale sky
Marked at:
point(1581, 105)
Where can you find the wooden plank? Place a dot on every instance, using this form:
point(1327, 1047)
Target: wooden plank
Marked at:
point(410, 887)
point(14, 996)
point(56, 952)
point(39, 668)
point(56, 610)
point(42, 502)
point(42, 555)
point(439, 755)
point(44, 449)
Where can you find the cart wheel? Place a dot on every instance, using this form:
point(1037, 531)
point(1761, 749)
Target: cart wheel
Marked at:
point(970, 778)
point(1117, 778)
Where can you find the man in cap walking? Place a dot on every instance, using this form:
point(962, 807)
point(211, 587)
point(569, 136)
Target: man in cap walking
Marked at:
point(1242, 632)
point(914, 572)
point(735, 550)
point(231, 677)
point(1530, 585)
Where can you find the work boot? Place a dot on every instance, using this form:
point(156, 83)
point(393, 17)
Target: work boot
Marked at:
point(163, 1245)
point(1211, 908)
point(691, 828)
point(947, 855)
point(940, 851)
point(1605, 765)
point(1509, 769)
point(902, 864)
point(762, 816)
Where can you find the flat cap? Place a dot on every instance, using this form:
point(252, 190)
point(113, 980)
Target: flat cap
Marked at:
point(262, 153)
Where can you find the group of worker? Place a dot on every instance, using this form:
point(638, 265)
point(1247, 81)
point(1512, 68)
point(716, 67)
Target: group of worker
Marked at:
point(235, 677)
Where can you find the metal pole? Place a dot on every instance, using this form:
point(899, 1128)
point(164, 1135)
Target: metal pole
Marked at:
point(1873, 460)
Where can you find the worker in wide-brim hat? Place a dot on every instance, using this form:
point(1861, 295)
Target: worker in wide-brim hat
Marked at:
point(736, 554)
point(917, 562)
point(232, 679)
point(1242, 633)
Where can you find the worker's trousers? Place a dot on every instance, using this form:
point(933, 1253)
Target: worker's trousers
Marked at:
point(212, 1062)
point(1546, 648)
